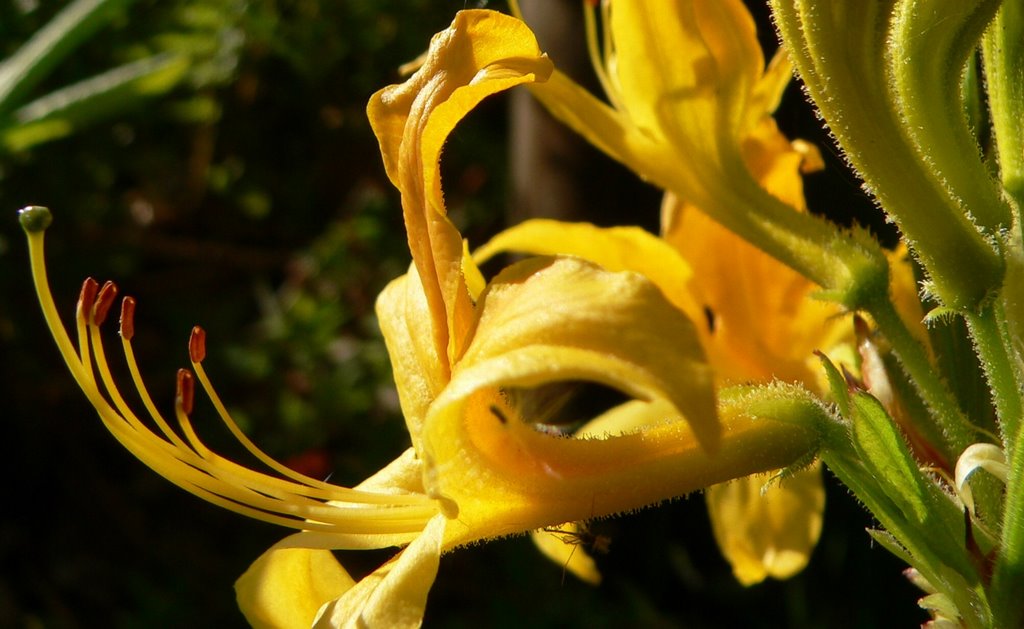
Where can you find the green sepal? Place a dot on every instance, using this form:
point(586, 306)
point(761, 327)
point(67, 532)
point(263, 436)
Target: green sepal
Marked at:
point(884, 452)
point(960, 369)
point(973, 101)
point(1012, 297)
point(939, 605)
point(925, 510)
point(837, 385)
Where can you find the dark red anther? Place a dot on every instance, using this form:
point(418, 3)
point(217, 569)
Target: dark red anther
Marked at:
point(186, 392)
point(128, 318)
point(861, 328)
point(87, 297)
point(103, 303)
point(197, 345)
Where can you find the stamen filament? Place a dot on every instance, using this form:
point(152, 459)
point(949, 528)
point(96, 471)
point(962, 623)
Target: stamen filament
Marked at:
point(307, 504)
point(217, 475)
point(330, 492)
point(147, 400)
point(230, 476)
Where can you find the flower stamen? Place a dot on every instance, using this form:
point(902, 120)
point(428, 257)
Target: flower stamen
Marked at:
point(295, 501)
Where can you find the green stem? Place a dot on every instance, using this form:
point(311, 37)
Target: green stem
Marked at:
point(1003, 49)
point(992, 347)
point(839, 50)
point(1007, 590)
point(945, 412)
point(929, 46)
point(1005, 383)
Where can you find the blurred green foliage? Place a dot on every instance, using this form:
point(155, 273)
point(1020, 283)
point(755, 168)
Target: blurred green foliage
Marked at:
point(247, 195)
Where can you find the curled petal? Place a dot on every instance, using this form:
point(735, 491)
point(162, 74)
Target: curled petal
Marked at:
point(500, 476)
point(614, 248)
point(546, 320)
point(978, 456)
point(481, 54)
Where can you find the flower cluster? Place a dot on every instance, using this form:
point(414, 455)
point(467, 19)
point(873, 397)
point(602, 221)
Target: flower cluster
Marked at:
point(753, 340)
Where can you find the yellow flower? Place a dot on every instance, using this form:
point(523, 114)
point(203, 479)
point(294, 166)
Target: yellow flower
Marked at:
point(477, 469)
point(690, 110)
point(691, 104)
point(761, 325)
point(687, 88)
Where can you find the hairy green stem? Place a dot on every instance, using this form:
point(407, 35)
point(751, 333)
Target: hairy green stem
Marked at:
point(1007, 589)
point(992, 348)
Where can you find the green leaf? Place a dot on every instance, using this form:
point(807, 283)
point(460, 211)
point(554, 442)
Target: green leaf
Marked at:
point(66, 31)
point(60, 113)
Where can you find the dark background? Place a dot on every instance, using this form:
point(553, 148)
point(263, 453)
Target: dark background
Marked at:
point(251, 200)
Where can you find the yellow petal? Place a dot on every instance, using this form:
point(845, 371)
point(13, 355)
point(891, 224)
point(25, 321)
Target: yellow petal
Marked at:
point(614, 248)
point(763, 323)
point(285, 587)
point(394, 595)
point(503, 477)
point(770, 89)
point(475, 281)
point(905, 295)
point(609, 130)
point(404, 475)
point(482, 53)
point(770, 534)
point(407, 326)
point(546, 320)
point(774, 162)
point(685, 68)
point(633, 416)
point(563, 546)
